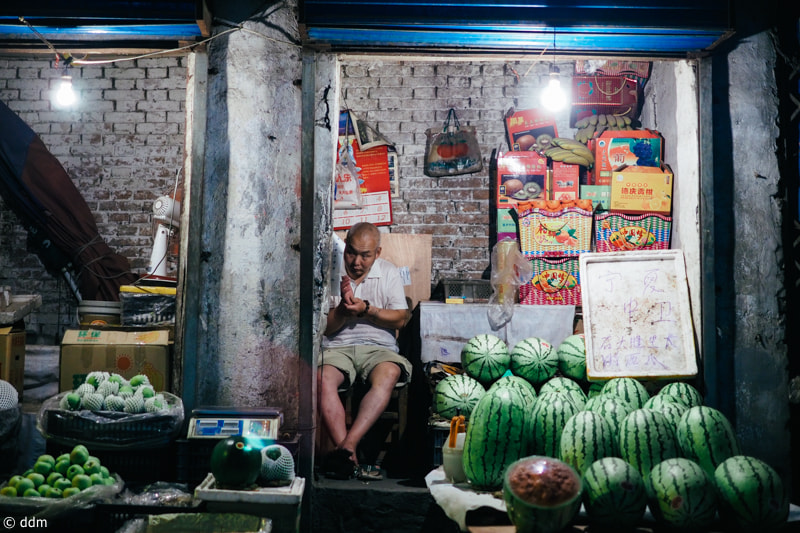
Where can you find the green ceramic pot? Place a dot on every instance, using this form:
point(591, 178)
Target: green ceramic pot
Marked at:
point(542, 494)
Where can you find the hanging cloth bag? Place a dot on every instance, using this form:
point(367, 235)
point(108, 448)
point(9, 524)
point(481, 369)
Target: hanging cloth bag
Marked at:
point(452, 150)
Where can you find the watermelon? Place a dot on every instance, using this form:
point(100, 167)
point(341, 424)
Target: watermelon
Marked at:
point(595, 387)
point(525, 388)
point(646, 439)
point(572, 357)
point(235, 463)
point(684, 392)
point(496, 436)
point(613, 410)
point(681, 495)
point(534, 359)
point(706, 436)
point(550, 414)
point(566, 385)
point(485, 357)
point(455, 395)
point(629, 389)
point(586, 437)
point(751, 494)
point(614, 494)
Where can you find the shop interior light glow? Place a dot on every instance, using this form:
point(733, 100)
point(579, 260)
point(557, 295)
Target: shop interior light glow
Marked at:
point(553, 97)
point(65, 95)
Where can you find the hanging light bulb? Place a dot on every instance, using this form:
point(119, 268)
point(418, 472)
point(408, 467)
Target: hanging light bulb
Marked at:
point(65, 95)
point(553, 97)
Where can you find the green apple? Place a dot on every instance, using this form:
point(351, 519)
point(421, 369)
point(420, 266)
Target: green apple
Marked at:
point(92, 466)
point(47, 458)
point(62, 467)
point(104, 470)
point(62, 457)
point(79, 454)
point(13, 480)
point(54, 493)
point(23, 485)
point(43, 488)
point(31, 493)
point(66, 493)
point(51, 479)
point(8, 490)
point(82, 481)
point(74, 470)
point(43, 467)
point(37, 478)
point(97, 479)
point(62, 483)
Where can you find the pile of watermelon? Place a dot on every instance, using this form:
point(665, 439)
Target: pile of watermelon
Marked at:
point(635, 449)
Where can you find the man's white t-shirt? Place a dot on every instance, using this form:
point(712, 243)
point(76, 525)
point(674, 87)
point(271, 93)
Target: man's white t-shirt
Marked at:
point(383, 287)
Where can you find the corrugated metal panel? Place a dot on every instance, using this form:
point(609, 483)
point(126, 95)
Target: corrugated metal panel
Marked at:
point(663, 27)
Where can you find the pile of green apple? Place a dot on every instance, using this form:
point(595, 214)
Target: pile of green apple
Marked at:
point(59, 477)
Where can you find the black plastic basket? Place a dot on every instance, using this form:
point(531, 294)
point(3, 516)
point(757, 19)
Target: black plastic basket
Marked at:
point(115, 430)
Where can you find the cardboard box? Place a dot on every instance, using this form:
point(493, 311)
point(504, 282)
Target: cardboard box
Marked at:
point(621, 232)
point(564, 232)
point(126, 353)
point(564, 181)
point(12, 356)
point(595, 95)
point(615, 149)
point(600, 195)
point(521, 176)
point(642, 190)
point(524, 127)
point(555, 281)
point(506, 224)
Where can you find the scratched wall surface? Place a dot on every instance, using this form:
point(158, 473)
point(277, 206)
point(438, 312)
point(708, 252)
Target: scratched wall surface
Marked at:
point(251, 221)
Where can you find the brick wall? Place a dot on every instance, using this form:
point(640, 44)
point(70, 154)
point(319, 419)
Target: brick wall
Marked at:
point(402, 100)
point(122, 144)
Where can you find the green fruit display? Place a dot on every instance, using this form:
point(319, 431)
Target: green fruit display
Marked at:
point(235, 462)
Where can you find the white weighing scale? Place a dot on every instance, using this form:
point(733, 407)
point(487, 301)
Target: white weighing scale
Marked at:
point(222, 422)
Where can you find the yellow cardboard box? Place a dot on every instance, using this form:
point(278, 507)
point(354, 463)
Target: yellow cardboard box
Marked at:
point(126, 353)
point(12, 356)
point(636, 189)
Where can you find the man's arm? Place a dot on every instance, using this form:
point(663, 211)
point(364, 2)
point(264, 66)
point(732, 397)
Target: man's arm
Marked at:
point(386, 318)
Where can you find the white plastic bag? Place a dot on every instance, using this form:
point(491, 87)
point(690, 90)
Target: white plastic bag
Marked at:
point(510, 270)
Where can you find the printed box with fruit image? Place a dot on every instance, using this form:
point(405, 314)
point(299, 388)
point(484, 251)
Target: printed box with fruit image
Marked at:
point(521, 176)
point(553, 228)
point(529, 129)
point(555, 281)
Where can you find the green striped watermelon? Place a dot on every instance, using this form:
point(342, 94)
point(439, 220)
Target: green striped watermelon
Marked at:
point(525, 388)
point(586, 437)
point(485, 357)
point(495, 437)
point(706, 436)
point(595, 387)
point(550, 414)
point(681, 495)
point(534, 359)
point(614, 494)
point(645, 439)
point(629, 389)
point(751, 494)
point(613, 409)
point(572, 357)
point(566, 385)
point(684, 392)
point(457, 394)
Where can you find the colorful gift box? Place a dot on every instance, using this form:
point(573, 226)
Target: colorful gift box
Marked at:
point(543, 232)
point(618, 232)
point(555, 281)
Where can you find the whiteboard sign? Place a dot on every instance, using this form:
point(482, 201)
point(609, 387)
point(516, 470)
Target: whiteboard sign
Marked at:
point(636, 313)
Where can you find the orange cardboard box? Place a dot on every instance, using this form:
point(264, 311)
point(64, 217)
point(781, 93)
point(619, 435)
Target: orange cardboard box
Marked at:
point(521, 176)
point(525, 126)
point(564, 181)
point(642, 190)
point(615, 149)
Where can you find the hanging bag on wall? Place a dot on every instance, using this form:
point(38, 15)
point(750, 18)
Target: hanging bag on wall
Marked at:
point(452, 150)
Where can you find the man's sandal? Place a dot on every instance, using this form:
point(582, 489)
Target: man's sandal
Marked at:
point(370, 473)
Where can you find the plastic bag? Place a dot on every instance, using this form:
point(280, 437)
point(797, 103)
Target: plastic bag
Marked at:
point(452, 150)
point(510, 270)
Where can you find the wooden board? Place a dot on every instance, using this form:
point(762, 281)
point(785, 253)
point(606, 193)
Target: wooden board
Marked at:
point(637, 317)
point(411, 253)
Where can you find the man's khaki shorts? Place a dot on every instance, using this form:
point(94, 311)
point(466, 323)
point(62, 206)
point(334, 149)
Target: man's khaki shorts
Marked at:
point(358, 361)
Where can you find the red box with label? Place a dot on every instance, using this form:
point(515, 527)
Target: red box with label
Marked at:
point(596, 95)
point(521, 176)
point(525, 127)
point(564, 181)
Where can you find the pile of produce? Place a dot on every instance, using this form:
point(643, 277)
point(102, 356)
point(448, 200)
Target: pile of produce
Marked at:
point(240, 463)
point(634, 449)
point(104, 391)
point(59, 477)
